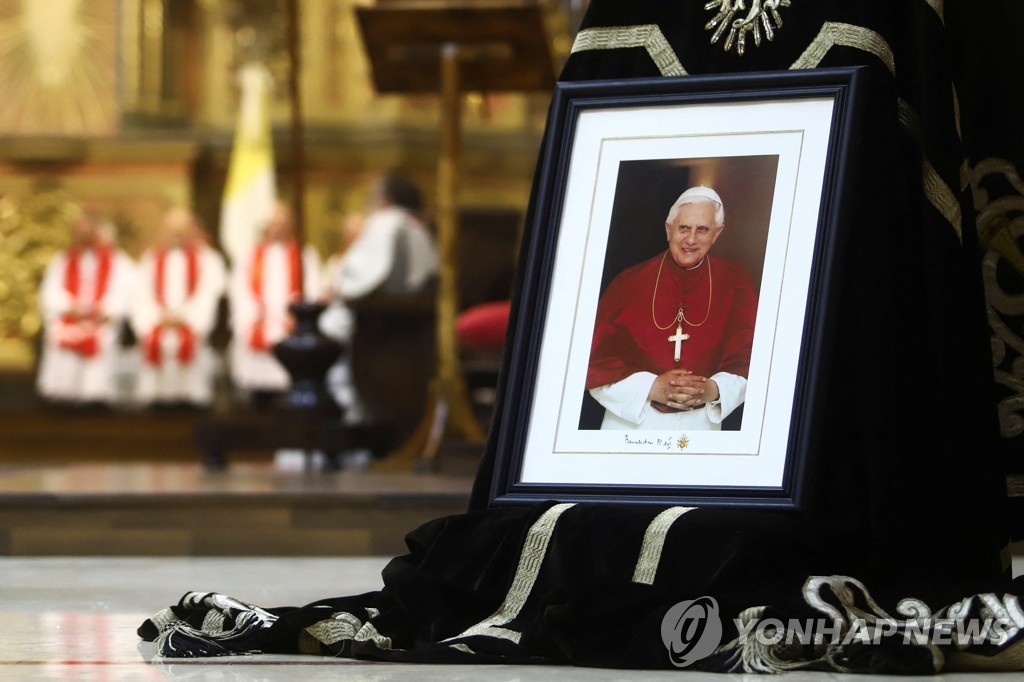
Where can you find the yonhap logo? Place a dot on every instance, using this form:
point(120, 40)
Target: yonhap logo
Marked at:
point(691, 630)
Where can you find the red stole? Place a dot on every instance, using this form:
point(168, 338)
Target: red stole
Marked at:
point(257, 335)
point(187, 338)
point(78, 335)
point(626, 339)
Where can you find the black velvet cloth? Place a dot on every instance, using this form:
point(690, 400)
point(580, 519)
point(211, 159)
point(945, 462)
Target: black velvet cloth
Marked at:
point(908, 493)
point(584, 606)
point(910, 457)
point(987, 54)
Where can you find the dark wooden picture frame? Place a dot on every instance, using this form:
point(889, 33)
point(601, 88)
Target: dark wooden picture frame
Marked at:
point(564, 266)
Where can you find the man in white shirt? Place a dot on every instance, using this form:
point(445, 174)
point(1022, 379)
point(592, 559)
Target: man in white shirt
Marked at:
point(390, 254)
point(181, 281)
point(84, 299)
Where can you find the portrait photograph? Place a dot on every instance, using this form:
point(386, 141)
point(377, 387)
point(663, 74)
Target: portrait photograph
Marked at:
point(679, 271)
point(681, 266)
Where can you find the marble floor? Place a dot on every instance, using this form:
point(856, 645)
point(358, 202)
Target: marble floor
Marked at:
point(75, 619)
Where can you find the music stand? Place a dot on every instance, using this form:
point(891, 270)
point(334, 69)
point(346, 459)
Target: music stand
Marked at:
point(417, 47)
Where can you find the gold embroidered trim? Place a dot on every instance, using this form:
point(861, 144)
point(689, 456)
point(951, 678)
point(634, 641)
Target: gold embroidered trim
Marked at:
point(941, 197)
point(1015, 485)
point(937, 5)
point(341, 625)
point(368, 633)
point(162, 619)
point(654, 543)
point(999, 232)
point(530, 561)
point(833, 33)
point(995, 217)
point(939, 194)
point(647, 36)
point(909, 120)
point(965, 175)
point(213, 623)
point(761, 16)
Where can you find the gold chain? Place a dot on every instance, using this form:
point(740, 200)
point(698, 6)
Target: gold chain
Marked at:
point(681, 316)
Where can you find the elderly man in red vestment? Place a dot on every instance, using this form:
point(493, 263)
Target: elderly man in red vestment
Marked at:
point(275, 273)
point(181, 280)
point(672, 339)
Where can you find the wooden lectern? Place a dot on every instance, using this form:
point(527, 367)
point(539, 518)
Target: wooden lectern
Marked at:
point(451, 48)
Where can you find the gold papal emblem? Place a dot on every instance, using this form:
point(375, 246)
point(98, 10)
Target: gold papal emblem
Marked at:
point(762, 18)
point(683, 442)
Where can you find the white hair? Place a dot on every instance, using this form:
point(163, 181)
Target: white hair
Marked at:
point(698, 195)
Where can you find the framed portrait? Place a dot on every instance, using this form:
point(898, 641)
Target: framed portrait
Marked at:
point(670, 332)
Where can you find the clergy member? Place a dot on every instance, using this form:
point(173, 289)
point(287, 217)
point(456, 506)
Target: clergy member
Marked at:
point(336, 321)
point(388, 253)
point(181, 280)
point(391, 251)
point(671, 347)
point(274, 274)
point(85, 297)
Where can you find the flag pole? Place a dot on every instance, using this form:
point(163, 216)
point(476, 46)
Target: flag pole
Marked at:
point(298, 152)
point(306, 353)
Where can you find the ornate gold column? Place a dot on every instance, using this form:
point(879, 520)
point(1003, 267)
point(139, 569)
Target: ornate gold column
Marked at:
point(158, 59)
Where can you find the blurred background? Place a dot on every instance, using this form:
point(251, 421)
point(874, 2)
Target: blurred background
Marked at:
point(126, 108)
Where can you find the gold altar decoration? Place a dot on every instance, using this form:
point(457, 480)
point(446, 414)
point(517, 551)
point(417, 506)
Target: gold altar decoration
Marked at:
point(159, 59)
point(57, 74)
point(129, 104)
point(31, 231)
point(258, 35)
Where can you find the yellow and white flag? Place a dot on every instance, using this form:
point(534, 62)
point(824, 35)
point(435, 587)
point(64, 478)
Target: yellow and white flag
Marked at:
point(250, 192)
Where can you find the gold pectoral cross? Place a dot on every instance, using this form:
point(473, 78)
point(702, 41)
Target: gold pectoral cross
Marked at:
point(678, 339)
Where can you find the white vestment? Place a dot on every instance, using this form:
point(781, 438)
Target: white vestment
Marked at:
point(627, 406)
point(194, 304)
point(393, 253)
point(66, 374)
point(254, 369)
point(337, 320)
